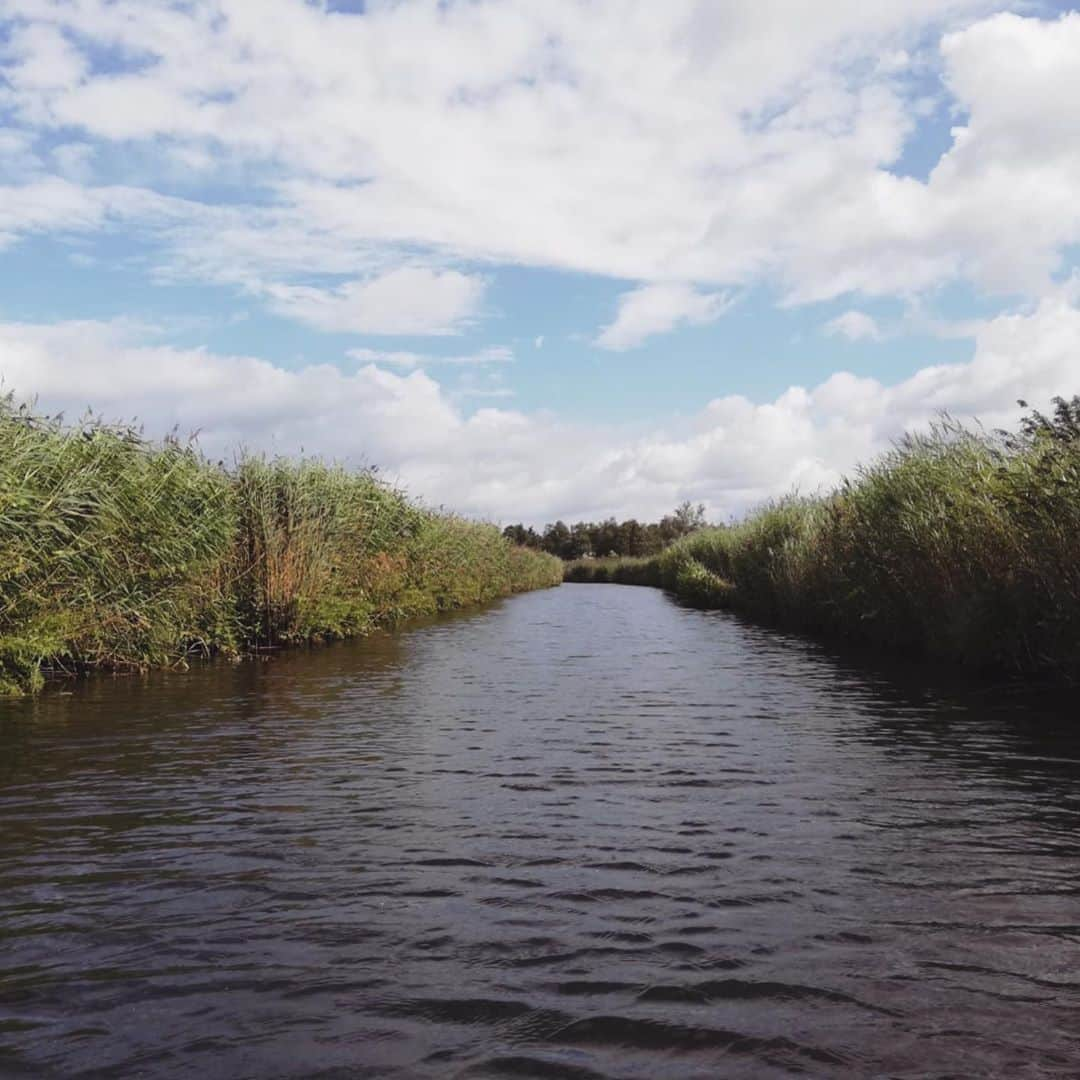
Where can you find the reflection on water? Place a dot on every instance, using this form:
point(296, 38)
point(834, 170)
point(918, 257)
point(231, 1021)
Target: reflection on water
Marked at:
point(585, 833)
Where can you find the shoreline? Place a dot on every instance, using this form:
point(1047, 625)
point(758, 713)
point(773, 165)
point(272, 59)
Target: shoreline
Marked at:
point(957, 546)
point(119, 553)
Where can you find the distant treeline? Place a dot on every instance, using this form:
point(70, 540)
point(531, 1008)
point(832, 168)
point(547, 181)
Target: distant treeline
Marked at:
point(121, 553)
point(958, 544)
point(590, 539)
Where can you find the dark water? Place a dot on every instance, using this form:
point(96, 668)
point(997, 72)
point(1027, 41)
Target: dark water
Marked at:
point(582, 834)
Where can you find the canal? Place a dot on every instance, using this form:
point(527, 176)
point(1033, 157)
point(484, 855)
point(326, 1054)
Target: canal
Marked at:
point(583, 833)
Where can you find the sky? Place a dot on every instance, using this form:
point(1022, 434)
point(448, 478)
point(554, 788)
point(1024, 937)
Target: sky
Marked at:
point(537, 261)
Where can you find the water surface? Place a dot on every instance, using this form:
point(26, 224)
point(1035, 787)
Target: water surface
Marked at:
point(585, 833)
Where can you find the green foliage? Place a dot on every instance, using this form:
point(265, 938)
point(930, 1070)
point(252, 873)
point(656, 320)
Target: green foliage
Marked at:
point(1062, 426)
point(957, 544)
point(604, 539)
point(120, 553)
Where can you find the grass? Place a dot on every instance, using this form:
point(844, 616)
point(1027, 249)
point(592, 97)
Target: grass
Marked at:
point(959, 545)
point(120, 553)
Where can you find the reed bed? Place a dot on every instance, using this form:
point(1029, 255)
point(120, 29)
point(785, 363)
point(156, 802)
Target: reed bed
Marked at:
point(959, 544)
point(121, 553)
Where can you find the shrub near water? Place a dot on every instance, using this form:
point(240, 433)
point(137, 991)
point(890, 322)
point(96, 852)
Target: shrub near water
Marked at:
point(122, 554)
point(958, 545)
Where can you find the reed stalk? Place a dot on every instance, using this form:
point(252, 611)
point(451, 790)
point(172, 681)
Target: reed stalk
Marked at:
point(121, 553)
point(958, 544)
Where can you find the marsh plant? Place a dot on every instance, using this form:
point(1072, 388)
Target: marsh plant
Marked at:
point(958, 544)
point(122, 553)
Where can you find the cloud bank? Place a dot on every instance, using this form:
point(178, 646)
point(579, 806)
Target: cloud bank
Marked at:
point(682, 142)
point(507, 465)
point(372, 175)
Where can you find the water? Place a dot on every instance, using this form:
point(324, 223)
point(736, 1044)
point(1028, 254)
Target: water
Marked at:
point(585, 833)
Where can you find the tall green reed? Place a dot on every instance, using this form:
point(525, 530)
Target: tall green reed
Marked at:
point(957, 544)
point(121, 553)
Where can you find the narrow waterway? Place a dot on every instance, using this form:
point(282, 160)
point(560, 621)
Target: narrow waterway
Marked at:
point(584, 833)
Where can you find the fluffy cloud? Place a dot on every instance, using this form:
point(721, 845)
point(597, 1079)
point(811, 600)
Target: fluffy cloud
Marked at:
point(410, 300)
point(119, 370)
point(354, 172)
point(46, 205)
point(510, 465)
point(855, 326)
point(41, 59)
point(655, 309)
point(495, 354)
point(675, 142)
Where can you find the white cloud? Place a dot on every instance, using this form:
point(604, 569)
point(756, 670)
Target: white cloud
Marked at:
point(495, 354)
point(655, 309)
point(676, 142)
point(232, 400)
point(855, 326)
point(685, 147)
point(410, 300)
point(19, 162)
point(511, 465)
point(39, 59)
point(46, 205)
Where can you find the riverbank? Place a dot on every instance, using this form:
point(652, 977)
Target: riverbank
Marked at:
point(958, 545)
point(120, 553)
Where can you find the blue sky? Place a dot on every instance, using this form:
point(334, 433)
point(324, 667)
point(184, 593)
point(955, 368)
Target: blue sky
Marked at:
point(539, 261)
point(758, 349)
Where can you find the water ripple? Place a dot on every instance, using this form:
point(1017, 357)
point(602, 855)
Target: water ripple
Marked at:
point(583, 834)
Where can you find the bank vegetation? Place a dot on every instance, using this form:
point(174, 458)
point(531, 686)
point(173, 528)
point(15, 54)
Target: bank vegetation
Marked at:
point(603, 539)
point(958, 544)
point(121, 553)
